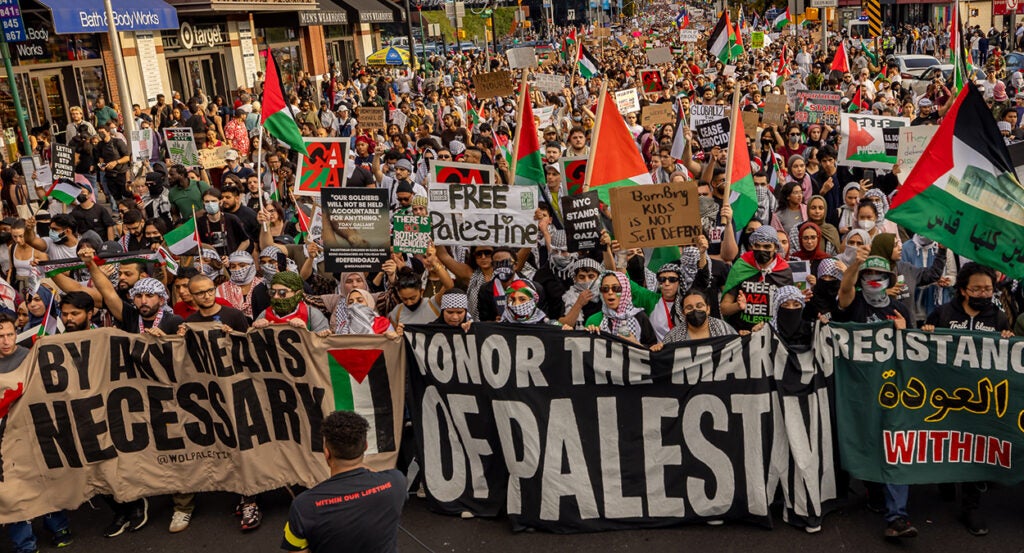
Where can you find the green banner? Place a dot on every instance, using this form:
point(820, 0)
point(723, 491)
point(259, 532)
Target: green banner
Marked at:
point(919, 407)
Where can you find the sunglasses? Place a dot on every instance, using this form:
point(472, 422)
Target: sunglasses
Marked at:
point(483, 253)
point(673, 280)
point(444, 157)
point(277, 293)
point(613, 288)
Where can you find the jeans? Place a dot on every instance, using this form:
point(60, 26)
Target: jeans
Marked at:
point(23, 537)
point(896, 496)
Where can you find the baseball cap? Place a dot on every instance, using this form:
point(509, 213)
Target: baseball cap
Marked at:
point(876, 263)
point(231, 155)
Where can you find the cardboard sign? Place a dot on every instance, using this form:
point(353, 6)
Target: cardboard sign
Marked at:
point(602, 31)
point(471, 215)
point(774, 109)
point(652, 81)
point(817, 107)
point(713, 133)
point(574, 172)
point(656, 56)
point(582, 217)
point(870, 141)
point(372, 118)
point(757, 39)
point(912, 141)
point(522, 58)
point(689, 35)
point(750, 123)
point(213, 158)
point(410, 233)
point(648, 216)
point(493, 85)
point(357, 228)
point(547, 82)
point(142, 143)
point(63, 161)
point(322, 167)
point(181, 147)
point(628, 101)
point(658, 114)
point(453, 172)
point(700, 114)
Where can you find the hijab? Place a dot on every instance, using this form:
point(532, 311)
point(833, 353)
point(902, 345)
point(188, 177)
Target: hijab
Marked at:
point(815, 254)
point(623, 317)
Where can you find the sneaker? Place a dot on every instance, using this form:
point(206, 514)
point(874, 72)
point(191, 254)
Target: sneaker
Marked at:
point(62, 538)
point(140, 516)
point(466, 514)
point(421, 492)
point(900, 528)
point(118, 526)
point(242, 500)
point(179, 521)
point(812, 529)
point(974, 522)
point(251, 516)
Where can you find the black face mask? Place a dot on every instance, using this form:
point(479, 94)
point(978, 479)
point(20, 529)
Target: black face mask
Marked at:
point(82, 198)
point(979, 304)
point(827, 289)
point(789, 321)
point(696, 318)
point(763, 256)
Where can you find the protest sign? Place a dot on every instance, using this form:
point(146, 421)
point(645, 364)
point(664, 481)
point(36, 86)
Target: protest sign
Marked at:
point(750, 122)
point(791, 88)
point(757, 39)
point(398, 118)
point(522, 58)
point(411, 233)
point(546, 82)
point(648, 216)
point(545, 115)
point(132, 415)
point(926, 407)
point(470, 215)
point(817, 107)
point(213, 158)
point(492, 85)
point(322, 167)
point(357, 228)
point(870, 140)
point(912, 141)
point(660, 55)
point(63, 161)
point(700, 114)
point(658, 114)
point(43, 174)
point(574, 170)
point(582, 217)
point(181, 147)
point(652, 81)
point(774, 109)
point(558, 418)
point(628, 101)
point(729, 70)
point(713, 133)
point(142, 143)
point(602, 31)
point(372, 118)
point(454, 172)
point(689, 35)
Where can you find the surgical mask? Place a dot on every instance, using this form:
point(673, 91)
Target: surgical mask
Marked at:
point(696, 318)
point(866, 224)
point(979, 304)
point(503, 269)
point(243, 276)
point(212, 207)
point(269, 270)
point(763, 256)
point(57, 237)
point(873, 288)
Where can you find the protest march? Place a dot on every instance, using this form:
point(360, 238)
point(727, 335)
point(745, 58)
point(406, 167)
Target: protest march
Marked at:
point(686, 265)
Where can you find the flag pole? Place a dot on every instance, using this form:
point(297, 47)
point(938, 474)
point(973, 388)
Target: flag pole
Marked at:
point(199, 246)
point(519, 129)
point(731, 155)
point(259, 177)
point(597, 133)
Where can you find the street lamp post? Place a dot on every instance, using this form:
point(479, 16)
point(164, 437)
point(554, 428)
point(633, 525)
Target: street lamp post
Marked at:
point(122, 80)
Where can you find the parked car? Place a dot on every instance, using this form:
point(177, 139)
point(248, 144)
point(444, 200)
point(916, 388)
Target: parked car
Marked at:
point(1013, 61)
point(944, 70)
point(911, 66)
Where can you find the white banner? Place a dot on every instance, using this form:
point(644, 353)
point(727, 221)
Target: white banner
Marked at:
point(472, 215)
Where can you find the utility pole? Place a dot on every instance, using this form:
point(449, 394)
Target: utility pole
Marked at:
point(408, 32)
point(128, 121)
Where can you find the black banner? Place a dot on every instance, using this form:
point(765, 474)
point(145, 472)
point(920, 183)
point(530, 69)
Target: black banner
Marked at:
point(63, 162)
point(714, 133)
point(570, 432)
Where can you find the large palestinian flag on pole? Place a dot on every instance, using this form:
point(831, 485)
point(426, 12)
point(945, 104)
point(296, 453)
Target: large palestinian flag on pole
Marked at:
point(360, 381)
point(276, 114)
point(615, 159)
point(963, 193)
point(718, 41)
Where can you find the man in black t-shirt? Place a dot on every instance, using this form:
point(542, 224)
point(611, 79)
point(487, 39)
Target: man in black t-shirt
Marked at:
point(89, 215)
point(204, 294)
point(355, 509)
point(146, 309)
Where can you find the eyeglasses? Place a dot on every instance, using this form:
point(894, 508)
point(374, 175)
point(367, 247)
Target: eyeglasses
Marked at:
point(206, 292)
point(980, 290)
point(279, 293)
point(672, 280)
point(809, 237)
point(613, 288)
point(483, 253)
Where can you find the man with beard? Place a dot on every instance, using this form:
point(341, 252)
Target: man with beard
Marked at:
point(185, 195)
point(133, 237)
point(287, 307)
point(146, 307)
point(76, 311)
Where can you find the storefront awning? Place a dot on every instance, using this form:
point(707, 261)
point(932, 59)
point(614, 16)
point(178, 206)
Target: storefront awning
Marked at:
point(369, 11)
point(89, 16)
point(326, 13)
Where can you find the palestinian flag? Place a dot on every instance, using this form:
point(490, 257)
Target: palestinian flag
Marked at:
point(574, 171)
point(49, 326)
point(303, 225)
point(168, 260)
point(718, 40)
point(745, 269)
point(184, 238)
point(782, 20)
point(742, 195)
point(964, 193)
point(472, 117)
point(735, 42)
point(615, 159)
point(871, 55)
point(959, 55)
point(360, 383)
point(856, 103)
point(569, 45)
point(501, 143)
point(529, 161)
point(64, 191)
point(776, 173)
point(588, 65)
point(59, 266)
point(840, 62)
point(276, 115)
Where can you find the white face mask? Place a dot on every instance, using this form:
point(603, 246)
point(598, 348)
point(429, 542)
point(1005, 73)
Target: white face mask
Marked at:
point(866, 224)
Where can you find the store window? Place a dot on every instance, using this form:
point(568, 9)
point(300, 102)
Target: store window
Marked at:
point(284, 43)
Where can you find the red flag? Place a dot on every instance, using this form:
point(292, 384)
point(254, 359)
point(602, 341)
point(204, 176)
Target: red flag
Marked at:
point(839, 62)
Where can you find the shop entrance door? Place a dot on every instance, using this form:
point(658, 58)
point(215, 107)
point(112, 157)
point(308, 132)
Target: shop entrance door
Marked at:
point(193, 73)
point(48, 103)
